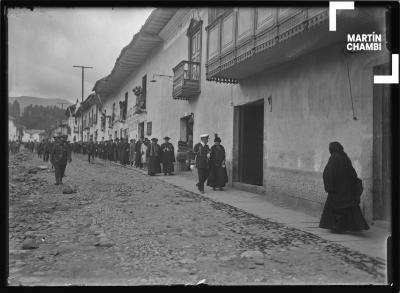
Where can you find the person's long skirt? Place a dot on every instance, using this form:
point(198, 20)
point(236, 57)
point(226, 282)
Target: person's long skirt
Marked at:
point(125, 158)
point(344, 219)
point(168, 167)
point(154, 166)
point(138, 160)
point(217, 177)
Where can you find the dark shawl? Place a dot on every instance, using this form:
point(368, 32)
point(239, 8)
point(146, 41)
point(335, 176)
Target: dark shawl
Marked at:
point(218, 175)
point(339, 178)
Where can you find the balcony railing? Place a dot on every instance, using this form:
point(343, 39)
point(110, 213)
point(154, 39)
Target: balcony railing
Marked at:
point(237, 36)
point(245, 41)
point(186, 84)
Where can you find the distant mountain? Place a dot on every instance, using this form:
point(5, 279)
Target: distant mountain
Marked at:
point(26, 101)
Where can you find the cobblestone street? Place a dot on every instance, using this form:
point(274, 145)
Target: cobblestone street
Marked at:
point(123, 227)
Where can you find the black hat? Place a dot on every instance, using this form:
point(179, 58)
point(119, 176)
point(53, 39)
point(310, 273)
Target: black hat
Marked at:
point(154, 139)
point(167, 137)
point(217, 139)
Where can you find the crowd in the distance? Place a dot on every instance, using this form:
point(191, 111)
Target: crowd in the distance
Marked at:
point(144, 153)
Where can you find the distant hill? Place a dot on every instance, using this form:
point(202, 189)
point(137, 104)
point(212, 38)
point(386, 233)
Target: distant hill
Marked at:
point(26, 101)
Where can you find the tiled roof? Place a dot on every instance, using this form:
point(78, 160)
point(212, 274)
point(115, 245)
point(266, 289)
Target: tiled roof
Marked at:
point(135, 53)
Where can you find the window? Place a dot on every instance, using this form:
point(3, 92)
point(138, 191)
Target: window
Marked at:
point(194, 39)
point(103, 120)
point(121, 110)
point(213, 46)
point(144, 84)
point(141, 129)
point(149, 126)
point(227, 31)
point(125, 106)
point(113, 113)
point(213, 13)
point(245, 22)
point(186, 132)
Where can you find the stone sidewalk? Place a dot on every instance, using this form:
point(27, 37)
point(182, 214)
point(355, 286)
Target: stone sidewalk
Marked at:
point(371, 242)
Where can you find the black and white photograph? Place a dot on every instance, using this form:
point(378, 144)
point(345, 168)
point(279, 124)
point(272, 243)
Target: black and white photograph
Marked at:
point(201, 145)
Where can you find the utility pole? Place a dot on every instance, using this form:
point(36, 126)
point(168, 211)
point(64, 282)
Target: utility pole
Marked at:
point(83, 77)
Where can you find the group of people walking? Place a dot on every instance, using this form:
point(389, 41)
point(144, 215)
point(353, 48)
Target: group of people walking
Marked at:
point(43, 149)
point(144, 153)
point(14, 146)
point(155, 158)
point(341, 211)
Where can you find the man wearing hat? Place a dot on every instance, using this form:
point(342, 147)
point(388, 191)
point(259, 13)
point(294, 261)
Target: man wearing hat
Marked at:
point(90, 151)
point(124, 151)
point(60, 154)
point(202, 152)
point(46, 150)
point(153, 154)
point(167, 156)
point(115, 150)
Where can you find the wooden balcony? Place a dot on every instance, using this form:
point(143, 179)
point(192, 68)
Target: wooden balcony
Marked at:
point(244, 41)
point(186, 84)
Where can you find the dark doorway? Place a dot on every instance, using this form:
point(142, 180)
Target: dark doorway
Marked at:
point(382, 180)
point(251, 143)
point(186, 127)
point(141, 129)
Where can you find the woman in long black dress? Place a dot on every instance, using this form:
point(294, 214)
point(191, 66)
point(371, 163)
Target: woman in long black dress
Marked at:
point(138, 153)
point(153, 154)
point(217, 176)
point(341, 211)
point(167, 156)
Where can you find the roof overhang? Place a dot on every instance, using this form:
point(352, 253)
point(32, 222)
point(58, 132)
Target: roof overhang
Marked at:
point(135, 53)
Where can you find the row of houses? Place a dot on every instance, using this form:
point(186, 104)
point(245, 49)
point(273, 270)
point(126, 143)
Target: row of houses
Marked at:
point(18, 132)
point(274, 83)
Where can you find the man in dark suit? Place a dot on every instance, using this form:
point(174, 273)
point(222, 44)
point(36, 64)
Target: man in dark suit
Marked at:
point(59, 156)
point(202, 152)
point(90, 151)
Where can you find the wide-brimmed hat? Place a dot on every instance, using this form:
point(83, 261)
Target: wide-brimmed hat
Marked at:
point(167, 137)
point(204, 135)
point(154, 139)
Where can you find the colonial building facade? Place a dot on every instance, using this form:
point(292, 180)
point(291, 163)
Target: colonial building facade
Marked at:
point(274, 83)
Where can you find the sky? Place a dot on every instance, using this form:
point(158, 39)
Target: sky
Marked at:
point(45, 43)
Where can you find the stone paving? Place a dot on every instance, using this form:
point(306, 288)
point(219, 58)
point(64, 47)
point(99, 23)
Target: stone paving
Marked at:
point(118, 226)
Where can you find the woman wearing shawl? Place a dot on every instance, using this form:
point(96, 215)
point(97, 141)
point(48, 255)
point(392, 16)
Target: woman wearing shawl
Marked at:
point(217, 176)
point(138, 153)
point(341, 211)
point(167, 156)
